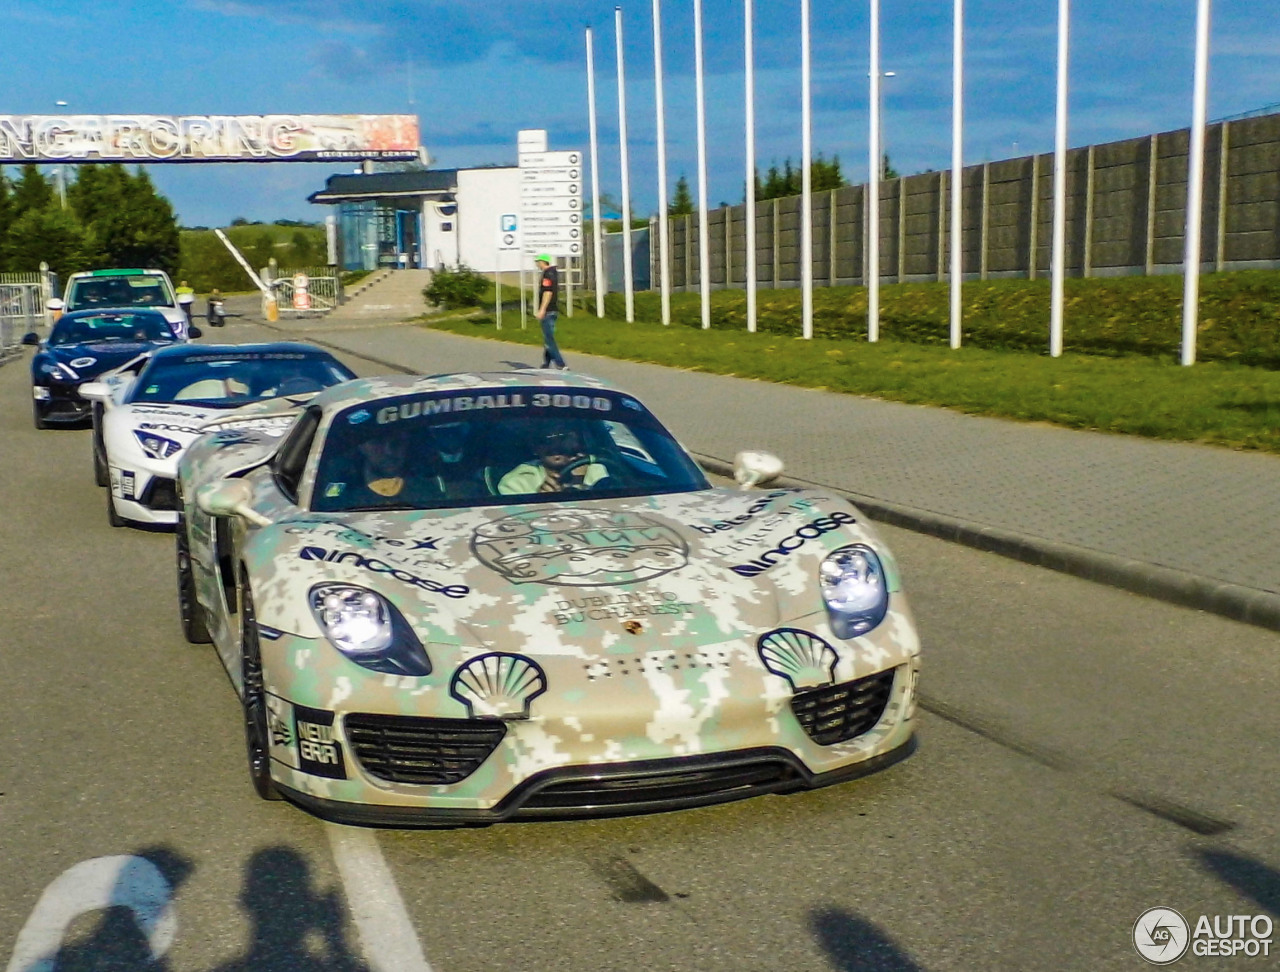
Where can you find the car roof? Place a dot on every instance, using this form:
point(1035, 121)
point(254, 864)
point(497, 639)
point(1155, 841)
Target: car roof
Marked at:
point(201, 350)
point(112, 273)
point(108, 311)
point(395, 386)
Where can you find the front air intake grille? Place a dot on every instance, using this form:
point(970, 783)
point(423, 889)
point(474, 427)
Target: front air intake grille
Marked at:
point(160, 494)
point(661, 784)
point(837, 713)
point(428, 752)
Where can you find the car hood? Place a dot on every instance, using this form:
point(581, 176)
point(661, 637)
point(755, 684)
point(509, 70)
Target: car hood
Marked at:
point(682, 570)
point(177, 422)
point(92, 358)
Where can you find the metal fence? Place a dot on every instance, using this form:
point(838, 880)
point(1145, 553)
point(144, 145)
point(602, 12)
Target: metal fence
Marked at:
point(22, 306)
point(323, 294)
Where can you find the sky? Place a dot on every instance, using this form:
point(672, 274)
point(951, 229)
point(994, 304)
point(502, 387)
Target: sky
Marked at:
point(477, 71)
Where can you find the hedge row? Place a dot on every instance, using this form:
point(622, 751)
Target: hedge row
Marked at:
point(1239, 314)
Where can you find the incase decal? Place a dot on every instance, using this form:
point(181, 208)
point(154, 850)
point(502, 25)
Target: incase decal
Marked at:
point(810, 531)
point(318, 752)
point(373, 565)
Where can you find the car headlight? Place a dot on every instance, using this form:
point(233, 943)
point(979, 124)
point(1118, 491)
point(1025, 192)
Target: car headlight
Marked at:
point(368, 629)
point(157, 446)
point(854, 589)
point(55, 370)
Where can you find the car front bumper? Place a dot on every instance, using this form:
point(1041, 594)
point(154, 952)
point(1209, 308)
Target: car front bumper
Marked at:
point(145, 493)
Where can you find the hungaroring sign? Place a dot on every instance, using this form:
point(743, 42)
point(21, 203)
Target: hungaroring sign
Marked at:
point(207, 138)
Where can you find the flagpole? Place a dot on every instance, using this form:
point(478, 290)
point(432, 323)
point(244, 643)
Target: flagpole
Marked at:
point(806, 178)
point(1195, 188)
point(628, 284)
point(664, 221)
point(597, 224)
point(751, 164)
point(1060, 183)
point(957, 174)
point(873, 187)
point(704, 247)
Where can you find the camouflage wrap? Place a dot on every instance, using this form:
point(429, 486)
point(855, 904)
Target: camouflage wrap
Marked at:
point(599, 631)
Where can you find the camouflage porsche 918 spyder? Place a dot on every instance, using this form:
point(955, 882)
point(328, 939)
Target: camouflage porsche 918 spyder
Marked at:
point(469, 598)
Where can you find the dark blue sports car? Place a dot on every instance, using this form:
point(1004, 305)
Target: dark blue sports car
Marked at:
point(82, 346)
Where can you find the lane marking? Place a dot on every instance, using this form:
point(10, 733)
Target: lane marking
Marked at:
point(387, 937)
point(102, 882)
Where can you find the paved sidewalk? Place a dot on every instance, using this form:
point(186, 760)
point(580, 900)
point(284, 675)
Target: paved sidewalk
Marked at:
point(1193, 524)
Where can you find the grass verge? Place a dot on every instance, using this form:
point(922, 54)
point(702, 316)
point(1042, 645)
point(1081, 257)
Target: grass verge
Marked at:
point(1212, 402)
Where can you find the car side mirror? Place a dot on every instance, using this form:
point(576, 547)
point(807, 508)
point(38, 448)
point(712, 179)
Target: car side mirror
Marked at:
point(756, 468)
point(31, 338)
point(229, 497)
point(194, 332)
point(55, 304)
point(95, 391)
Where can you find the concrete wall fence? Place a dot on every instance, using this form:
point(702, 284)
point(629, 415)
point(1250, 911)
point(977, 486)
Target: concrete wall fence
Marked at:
point(1125, 215)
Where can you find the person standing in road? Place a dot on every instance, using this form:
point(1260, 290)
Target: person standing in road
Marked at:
point(186, 300)
point(548, 310)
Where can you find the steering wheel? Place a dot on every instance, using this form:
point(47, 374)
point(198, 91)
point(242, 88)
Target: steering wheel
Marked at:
point(609, 472)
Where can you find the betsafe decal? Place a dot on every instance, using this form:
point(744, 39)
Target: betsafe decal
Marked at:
point(579, 548)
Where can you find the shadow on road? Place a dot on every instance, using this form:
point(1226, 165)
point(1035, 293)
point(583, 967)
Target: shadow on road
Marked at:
point(119, 944)
point(294, 927)
point(1256, 881)
point(855, 945)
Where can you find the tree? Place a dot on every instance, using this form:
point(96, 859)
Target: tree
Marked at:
point(789, 181)
point(32, 191)
point(50, 234)
point(682, 201)
point(889, 172)
point(129, 224)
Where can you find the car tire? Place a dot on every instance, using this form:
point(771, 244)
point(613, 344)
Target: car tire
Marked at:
point(253, 700)
point(114, 518)
point(101, 474)
point(194, 626)
point(37, 416)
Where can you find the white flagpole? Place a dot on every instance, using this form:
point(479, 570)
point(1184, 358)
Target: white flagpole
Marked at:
point(664, 221)
point(628, 285)
point(751, 164)
point(957, 173)
point(597, 224)
point(1195, 188)
point(1060, 183)
point(873, 185)
point(704, 242)
point(806, 178)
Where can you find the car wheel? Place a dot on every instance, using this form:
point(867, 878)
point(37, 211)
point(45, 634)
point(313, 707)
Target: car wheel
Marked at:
point(114, 518)
point(194, 627)
point(37, 416)
point(257, 737)
point(101, 475)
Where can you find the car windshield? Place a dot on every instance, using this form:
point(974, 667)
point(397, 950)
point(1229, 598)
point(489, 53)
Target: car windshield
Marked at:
point(232, 379)
point(141, 326)
point(123, 290)
point(507, 446)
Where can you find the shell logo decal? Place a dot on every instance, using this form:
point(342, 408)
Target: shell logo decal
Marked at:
point(498, 685)
point(579, 548)
point(802, 658)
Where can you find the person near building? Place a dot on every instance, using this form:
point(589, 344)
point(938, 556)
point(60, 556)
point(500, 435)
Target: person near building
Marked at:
point(186, 300)
point(548, 310)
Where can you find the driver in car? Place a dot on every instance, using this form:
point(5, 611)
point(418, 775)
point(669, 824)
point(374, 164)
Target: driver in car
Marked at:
point(562, 464)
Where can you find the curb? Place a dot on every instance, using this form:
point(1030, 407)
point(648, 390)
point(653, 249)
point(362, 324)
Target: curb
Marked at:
point(1233, 601)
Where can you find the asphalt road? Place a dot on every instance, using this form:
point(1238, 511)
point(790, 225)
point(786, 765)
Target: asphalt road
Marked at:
point(1087, 754)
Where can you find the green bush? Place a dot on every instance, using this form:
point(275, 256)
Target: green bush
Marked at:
point(1239, 314)
point(457, 288)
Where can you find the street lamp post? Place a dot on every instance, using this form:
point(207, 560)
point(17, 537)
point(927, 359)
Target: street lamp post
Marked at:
point(61, 170)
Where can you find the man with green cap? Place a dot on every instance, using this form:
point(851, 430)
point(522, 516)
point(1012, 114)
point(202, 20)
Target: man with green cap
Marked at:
point(547, 310)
